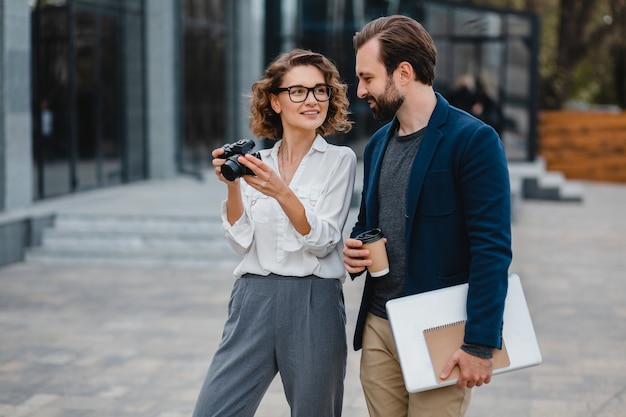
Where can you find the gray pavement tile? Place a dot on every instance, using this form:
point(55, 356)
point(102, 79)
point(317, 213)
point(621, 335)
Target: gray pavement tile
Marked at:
point(571, 260)
point(97, 341)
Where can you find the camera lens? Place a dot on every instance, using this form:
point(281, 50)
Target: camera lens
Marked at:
point(231, 170)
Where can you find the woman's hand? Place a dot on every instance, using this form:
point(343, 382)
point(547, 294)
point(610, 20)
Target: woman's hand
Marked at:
point(268, 182)
point(265, 179)
point(217, 163)
point(234, 203)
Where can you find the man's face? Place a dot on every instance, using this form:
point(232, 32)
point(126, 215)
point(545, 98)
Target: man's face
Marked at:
point(375, 85)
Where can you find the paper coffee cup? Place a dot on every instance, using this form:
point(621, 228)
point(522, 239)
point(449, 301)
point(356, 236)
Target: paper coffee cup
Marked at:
point(373, 241)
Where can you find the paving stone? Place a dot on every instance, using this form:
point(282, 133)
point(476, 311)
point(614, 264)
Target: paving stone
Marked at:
point(91, 341)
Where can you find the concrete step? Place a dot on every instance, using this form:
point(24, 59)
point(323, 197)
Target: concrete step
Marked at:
point(140, 241)
point(115, 241)
point(137, 259)
point(539, 184)
point(151, 224)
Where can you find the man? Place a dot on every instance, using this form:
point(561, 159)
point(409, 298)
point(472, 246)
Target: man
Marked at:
point(436, 181)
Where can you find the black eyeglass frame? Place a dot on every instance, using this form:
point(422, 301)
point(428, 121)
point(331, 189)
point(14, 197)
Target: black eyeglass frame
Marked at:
point(329, 88)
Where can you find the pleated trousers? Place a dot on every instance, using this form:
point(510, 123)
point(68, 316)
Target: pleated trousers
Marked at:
point(293, 326)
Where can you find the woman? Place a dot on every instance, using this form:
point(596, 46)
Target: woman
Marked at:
point(286, 312)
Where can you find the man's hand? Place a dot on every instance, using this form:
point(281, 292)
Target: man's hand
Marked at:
point(475, 371)
point(354, 256)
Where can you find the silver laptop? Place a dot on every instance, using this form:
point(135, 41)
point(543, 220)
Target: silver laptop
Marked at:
point(411, 316)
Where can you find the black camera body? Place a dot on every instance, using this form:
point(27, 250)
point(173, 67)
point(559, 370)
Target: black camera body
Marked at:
point(232, 169)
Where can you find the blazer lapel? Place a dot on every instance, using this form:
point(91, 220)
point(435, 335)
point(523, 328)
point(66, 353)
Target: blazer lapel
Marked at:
point(376, 161)
point(425, 154)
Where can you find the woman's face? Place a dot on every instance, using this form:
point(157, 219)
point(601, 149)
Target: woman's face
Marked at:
point(309, 114)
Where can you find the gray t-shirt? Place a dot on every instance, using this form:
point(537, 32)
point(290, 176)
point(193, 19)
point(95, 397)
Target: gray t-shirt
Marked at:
point(392, 190)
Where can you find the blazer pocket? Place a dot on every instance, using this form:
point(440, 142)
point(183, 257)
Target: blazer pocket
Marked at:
point(438, 195)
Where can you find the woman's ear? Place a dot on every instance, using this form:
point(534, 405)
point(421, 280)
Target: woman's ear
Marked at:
point(275, 103)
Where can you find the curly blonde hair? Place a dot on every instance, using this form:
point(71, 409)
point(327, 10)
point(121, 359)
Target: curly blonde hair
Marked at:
point(265, 123)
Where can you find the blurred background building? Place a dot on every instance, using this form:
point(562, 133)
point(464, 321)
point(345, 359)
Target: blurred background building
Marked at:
point(95, 93)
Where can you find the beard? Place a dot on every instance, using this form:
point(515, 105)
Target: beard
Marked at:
point(387, 104)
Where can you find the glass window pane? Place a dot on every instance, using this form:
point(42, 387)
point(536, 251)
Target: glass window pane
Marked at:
point(437, 18)
point(476, 23)
point(51, 139)
point(204, 79)
point(518, 26)
point(110, 157)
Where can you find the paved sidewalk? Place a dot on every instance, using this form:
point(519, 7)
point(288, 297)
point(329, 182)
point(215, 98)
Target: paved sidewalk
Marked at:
point(120, 342)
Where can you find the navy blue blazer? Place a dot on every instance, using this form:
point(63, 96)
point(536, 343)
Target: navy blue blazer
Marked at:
point(458, 217)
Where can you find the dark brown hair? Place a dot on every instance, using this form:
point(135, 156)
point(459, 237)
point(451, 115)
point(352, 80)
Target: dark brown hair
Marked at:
point(265, 123)
point(401, 39)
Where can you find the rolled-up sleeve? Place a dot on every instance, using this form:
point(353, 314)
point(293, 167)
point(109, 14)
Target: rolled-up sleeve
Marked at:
point(328, 217)
point(239, 235)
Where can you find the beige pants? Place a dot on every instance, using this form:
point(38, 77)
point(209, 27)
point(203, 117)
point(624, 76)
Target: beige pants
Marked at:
point(383, 384)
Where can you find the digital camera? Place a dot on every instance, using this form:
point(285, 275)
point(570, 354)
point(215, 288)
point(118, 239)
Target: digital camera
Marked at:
point(232, 169)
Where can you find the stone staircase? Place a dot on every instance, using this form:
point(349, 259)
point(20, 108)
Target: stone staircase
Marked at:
point(188, 241)
point(532, 181)
point(134, 241)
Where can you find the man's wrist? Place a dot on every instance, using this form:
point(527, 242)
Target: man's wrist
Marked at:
point(482, 351)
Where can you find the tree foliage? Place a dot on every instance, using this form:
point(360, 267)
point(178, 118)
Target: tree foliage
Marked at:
point(583, 49)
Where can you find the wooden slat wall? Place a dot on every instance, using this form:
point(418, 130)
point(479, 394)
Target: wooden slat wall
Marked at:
point(584, 145)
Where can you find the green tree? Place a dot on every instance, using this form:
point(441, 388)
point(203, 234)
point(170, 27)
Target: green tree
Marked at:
point(583, 49)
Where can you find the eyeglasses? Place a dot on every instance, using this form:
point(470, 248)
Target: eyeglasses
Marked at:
point(299, 93)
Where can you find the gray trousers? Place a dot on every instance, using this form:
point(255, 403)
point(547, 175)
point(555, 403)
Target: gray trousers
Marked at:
point(292, 326)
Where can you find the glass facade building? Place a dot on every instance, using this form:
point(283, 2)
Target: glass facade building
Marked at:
point(87, 78)
point(125, 90)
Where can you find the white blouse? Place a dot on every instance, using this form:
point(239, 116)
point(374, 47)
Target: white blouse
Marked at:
point(265, 237)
